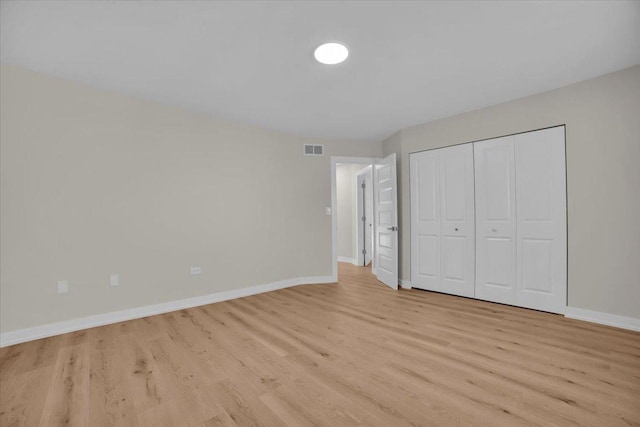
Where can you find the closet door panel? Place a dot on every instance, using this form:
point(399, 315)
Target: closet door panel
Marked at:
point(457, 225)
point(425, 220)
point(541, 220)
point(495, 220)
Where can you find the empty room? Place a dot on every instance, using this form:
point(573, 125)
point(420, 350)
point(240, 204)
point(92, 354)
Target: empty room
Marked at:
point(319, 213)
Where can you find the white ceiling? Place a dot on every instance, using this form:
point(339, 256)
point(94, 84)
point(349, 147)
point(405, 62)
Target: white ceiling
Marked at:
point(409, 63)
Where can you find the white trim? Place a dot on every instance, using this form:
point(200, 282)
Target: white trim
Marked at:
point(405, 284)
point(618, 321)
point(347, 259)
point(51, 329)
point(334, 203)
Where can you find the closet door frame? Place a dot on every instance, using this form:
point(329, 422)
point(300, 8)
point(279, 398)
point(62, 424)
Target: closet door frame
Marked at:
point(559, 307)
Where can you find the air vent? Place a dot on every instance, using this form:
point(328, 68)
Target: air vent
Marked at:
point(313, 150)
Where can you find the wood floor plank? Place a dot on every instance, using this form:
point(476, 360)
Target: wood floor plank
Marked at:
point(22, 397)
point(67, 400)
point(355, 353)
point(110, 400)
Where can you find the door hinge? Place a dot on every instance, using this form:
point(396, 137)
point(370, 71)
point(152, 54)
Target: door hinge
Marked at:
point(363, 186)
point(364, 218)
point(364, 251)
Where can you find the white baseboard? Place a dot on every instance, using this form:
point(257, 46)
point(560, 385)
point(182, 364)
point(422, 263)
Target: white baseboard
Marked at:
point(603, 318)
point(405, 284)
point(349, 260)
point(51, 329)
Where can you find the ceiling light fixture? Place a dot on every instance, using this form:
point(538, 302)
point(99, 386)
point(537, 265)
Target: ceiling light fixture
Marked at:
point(331, 53)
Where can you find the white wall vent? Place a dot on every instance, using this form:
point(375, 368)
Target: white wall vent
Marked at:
point(313, 150)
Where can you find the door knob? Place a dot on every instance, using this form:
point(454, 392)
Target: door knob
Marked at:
point(494, 230)
point(392, 228)
point(456, 229)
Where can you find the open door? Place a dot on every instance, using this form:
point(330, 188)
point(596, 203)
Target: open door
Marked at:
point(385, 201)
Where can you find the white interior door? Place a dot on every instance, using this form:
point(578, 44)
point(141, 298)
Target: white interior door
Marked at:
point(364, 238)
point(424, 170)
point(442, 220)
point(541, 220)
point(495, 220)
point(457, 228)
point(386, 221)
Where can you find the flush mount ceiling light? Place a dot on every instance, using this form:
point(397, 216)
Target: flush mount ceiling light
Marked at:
point(331, 53)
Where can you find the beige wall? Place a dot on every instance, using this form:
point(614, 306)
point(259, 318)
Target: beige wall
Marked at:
point(95, 182)
point(345, 209)
point(602, 118)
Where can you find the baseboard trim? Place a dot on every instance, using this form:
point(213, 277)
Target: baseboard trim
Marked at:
point(623, 322)
point(405, 284)
point(57, 328)
point(347, 259)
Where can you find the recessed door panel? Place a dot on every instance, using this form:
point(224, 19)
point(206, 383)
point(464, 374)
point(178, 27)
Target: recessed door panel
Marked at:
point(385, 218)
point(497, 174)
point(427, 190)
point(386, 239)
point(385, 263)
point(535, 180)
point(384, 173)
point(499, 261)
point(536, 265)
point(429, 258)
point(453, 265)
point(385, 195)
point(453, 187)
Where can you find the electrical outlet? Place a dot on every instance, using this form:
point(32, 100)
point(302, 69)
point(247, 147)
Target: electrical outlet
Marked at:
point(115, 280)
point(63, 286)
point(195, 271)
point(327, 210)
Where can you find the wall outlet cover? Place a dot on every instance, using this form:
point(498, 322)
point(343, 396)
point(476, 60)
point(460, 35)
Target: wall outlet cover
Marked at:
point(195, 271)
point(114, 280)
point(63, 286)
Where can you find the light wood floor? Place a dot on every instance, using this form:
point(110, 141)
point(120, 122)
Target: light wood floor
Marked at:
point(353, 353)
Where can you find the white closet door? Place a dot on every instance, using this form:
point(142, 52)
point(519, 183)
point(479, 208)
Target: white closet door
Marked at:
point(425, 220)
point(541, 218)
point(442, 220)
point(495, 220)
point(457, 228)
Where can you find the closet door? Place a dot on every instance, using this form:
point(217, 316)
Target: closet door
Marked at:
point(442, 220)
point(425, 220)
point(541, 220)
point(457, 228)
point(495, 220)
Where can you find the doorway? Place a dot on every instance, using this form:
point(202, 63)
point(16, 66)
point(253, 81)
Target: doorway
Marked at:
point(382, 213)
point(347, 167)
point(354, 213)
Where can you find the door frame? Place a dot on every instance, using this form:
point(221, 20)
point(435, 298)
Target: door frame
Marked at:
point(335, 160)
